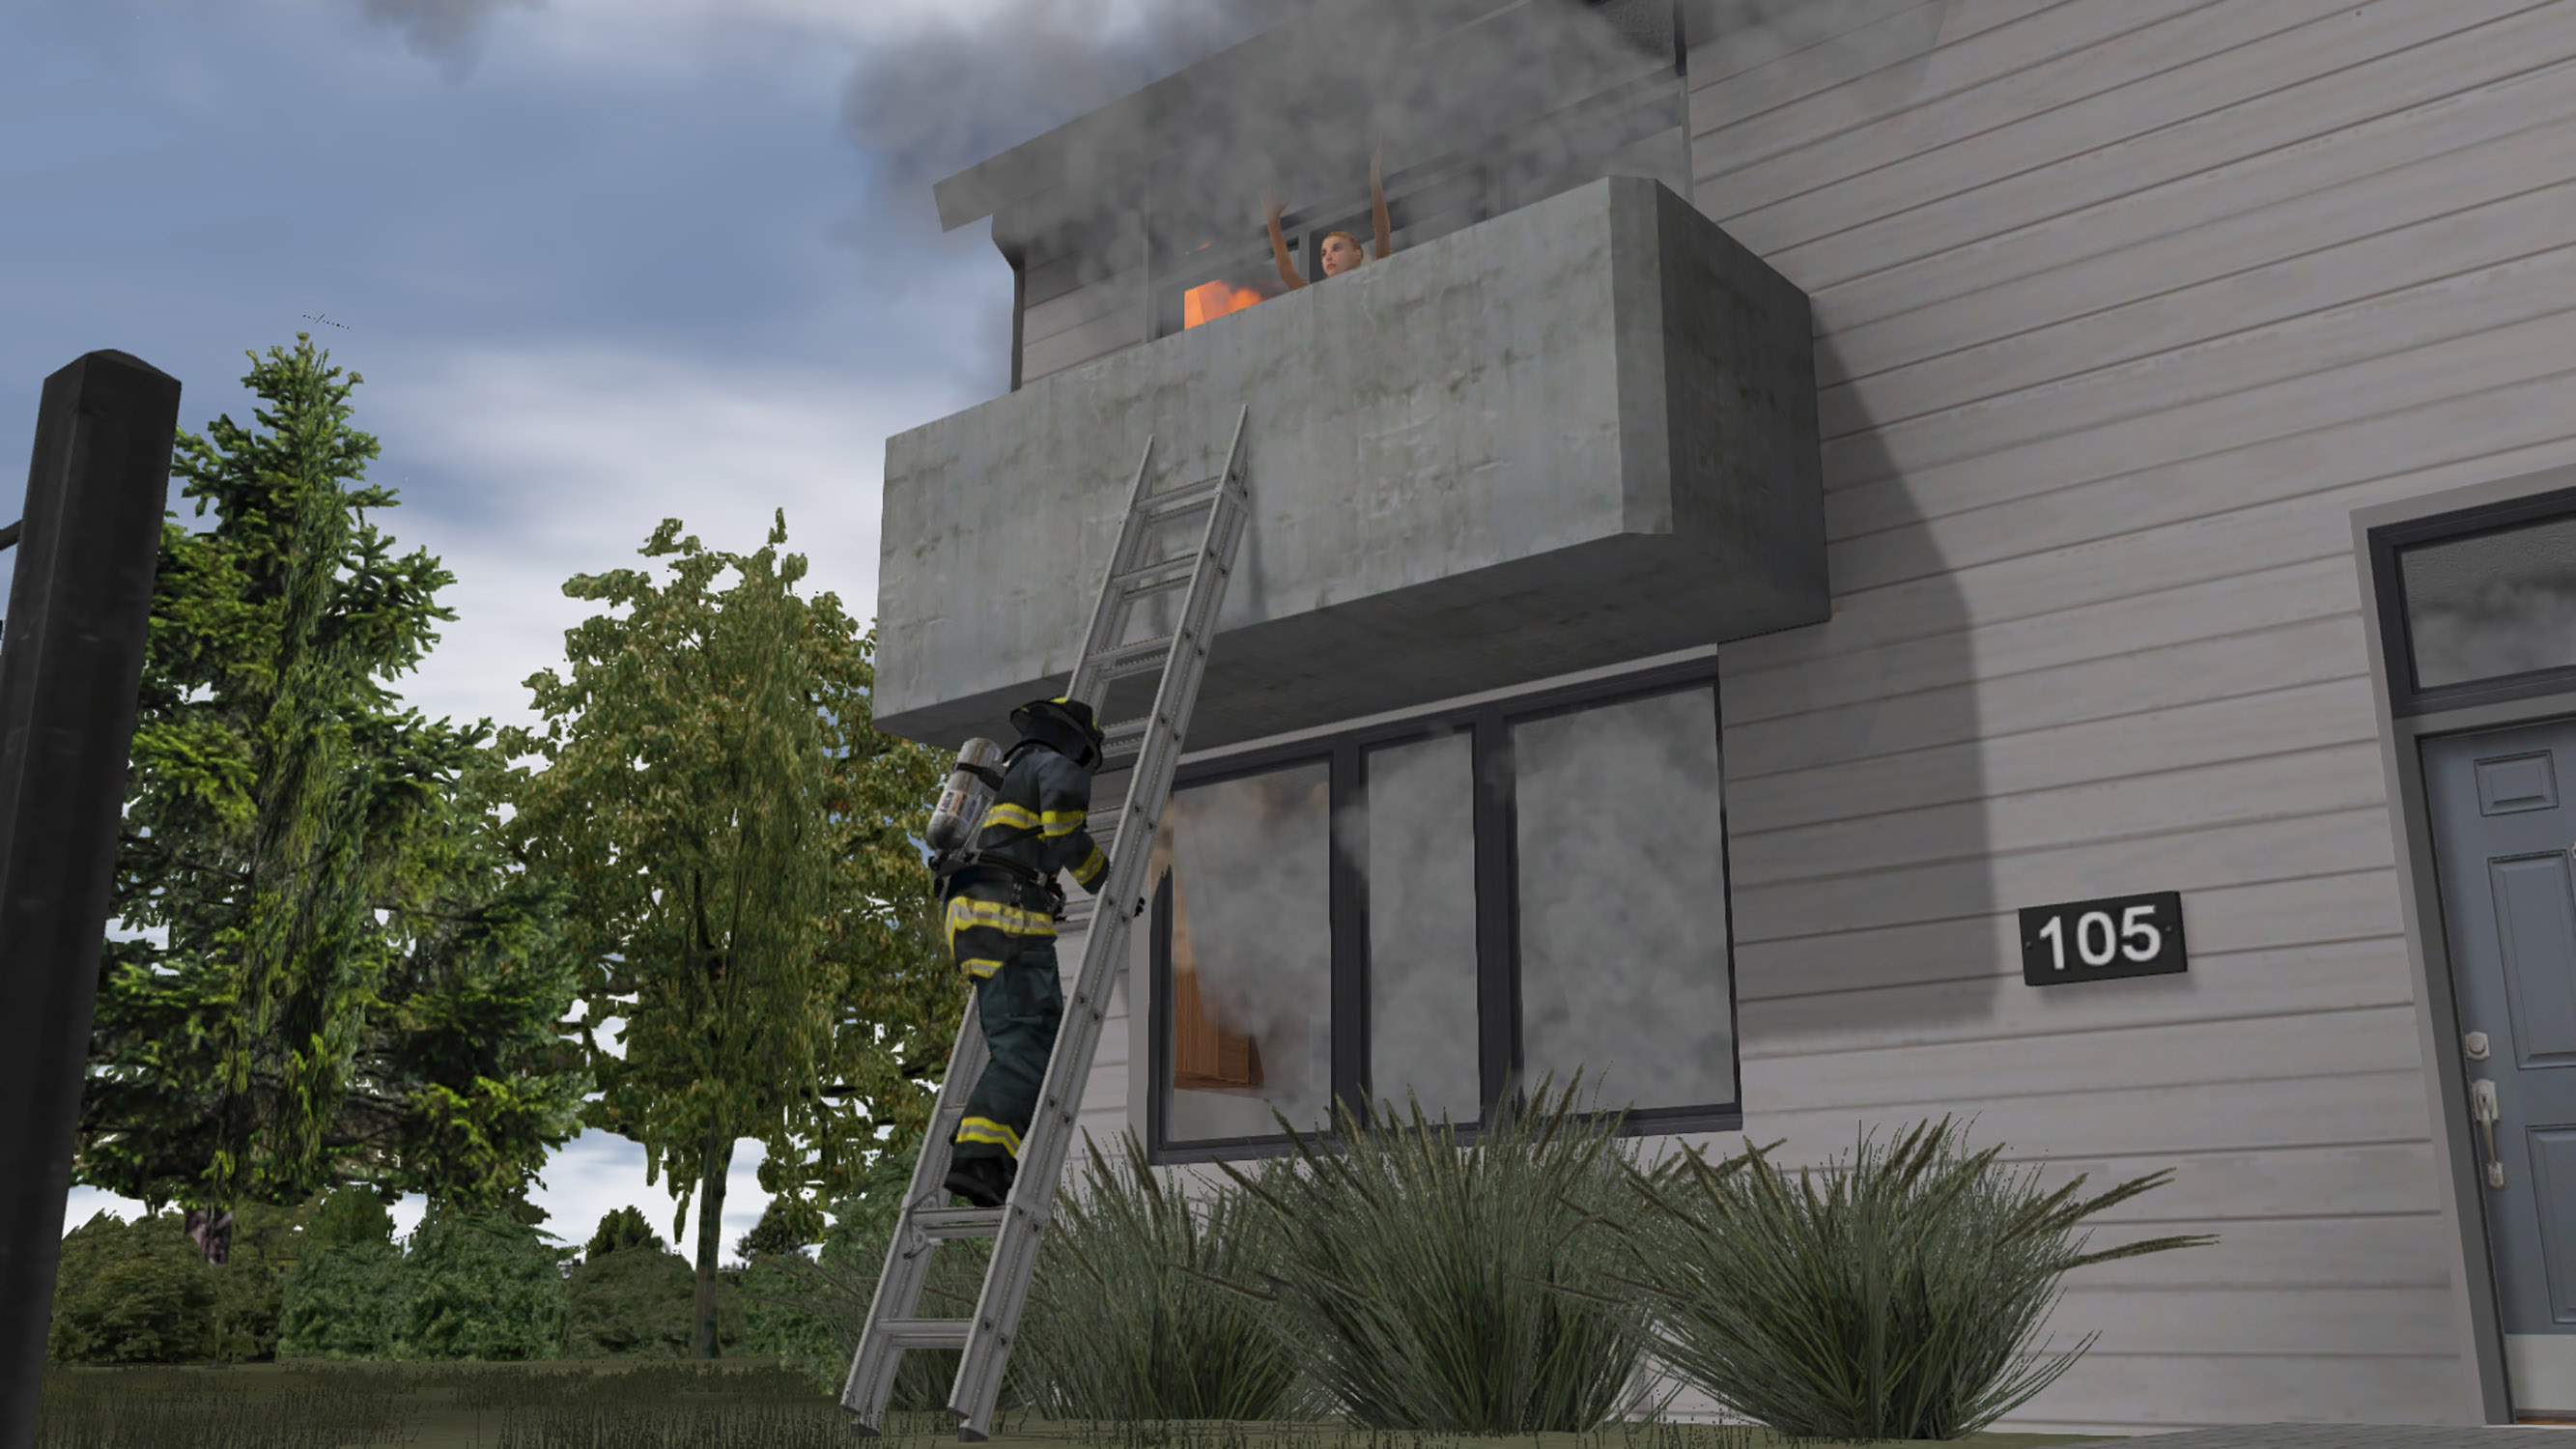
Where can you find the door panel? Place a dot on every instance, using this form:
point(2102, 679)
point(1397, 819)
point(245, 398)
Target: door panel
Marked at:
point(2553, 1167)
point(2503, 831)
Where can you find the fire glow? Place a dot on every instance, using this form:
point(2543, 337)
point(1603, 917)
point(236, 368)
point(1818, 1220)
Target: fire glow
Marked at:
point(1211, 300)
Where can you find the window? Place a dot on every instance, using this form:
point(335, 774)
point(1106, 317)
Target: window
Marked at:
point(2480, 606)
point(1445, 911)
point(1247, 995)
point(1200, 280)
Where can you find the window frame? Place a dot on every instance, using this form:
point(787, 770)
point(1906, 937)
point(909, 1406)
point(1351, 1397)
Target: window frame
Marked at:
point(1496, 873)
point(2388, 579)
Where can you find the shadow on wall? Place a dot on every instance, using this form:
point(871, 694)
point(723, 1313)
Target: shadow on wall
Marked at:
point(1864, 902)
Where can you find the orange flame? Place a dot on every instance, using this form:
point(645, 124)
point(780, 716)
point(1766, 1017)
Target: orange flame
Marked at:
point(1211, 300)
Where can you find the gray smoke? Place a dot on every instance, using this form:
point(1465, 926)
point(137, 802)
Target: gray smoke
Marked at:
point(1334, 79)
point(447, 31)
point(1329, 82)
point(954, 94)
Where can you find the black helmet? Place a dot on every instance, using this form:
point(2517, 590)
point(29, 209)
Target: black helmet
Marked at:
point(1064, 724)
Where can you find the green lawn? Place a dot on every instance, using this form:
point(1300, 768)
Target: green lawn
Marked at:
point(627, 1404)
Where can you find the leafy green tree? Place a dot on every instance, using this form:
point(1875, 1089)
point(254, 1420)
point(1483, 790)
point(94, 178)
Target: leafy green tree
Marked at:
point(346, 1295)
point(333, 972)
point(735, 841)
point(482, 1285)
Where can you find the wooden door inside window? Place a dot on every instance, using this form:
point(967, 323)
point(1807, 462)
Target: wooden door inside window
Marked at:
point(1205, 1056)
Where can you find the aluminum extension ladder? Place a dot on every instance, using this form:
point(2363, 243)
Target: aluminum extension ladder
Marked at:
point(1153, 743)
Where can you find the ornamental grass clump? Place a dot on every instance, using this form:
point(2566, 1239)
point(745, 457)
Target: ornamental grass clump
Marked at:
point(1425, 1278)
point(1895, 1299)
point(1122, 1320)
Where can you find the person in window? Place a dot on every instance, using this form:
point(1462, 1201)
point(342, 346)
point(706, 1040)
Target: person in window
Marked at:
point(1001, 909)
point(1340, 251)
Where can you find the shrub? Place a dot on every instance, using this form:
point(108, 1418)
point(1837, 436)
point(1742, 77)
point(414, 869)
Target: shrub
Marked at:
point(622, 1229)
point(636, 1300)
point(1123, 1321)
point(1424, 1277)
point(345, 1297)
point(762, 1312)
point(1894, 1302)
point(137, 1292)
point(482, 1286)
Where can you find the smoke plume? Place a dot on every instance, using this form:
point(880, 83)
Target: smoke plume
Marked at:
point(958, 91)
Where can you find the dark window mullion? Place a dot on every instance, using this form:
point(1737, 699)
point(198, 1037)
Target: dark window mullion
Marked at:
point(1350, 927)
point(1158, 1022)
point(1498, 1012)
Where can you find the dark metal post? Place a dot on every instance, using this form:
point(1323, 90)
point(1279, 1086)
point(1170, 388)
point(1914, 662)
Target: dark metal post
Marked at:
point(73, 658)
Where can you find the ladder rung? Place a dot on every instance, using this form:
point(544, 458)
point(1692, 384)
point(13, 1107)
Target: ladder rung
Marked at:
point(1122, 735)
point(1152, 577)
point(917, 1333)
point(1128, 659)
point(1197, 493)
point(958, 1222)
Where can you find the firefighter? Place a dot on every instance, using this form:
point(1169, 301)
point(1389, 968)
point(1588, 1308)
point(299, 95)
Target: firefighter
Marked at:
point(1002, 908)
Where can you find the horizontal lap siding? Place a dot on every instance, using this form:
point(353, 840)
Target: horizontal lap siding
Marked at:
point(2123, 307)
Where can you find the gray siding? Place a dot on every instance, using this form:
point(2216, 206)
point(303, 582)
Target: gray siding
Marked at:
point(2122, 307)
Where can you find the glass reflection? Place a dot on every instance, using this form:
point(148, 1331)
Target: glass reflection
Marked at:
point(1421, 873)
point(2491, 604)
point(1622, 901)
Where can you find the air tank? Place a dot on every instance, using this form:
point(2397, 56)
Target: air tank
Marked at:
point(971, 786)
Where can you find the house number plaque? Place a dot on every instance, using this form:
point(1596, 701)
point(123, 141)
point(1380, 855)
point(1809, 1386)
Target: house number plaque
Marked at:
point(2102, 940)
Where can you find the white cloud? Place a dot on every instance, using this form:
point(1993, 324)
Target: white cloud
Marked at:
point(560, 460)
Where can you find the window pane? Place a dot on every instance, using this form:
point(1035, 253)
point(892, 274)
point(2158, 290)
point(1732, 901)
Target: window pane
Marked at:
point(2492, 604)
point(1251, 963)
point(1622, 901)
point(1421, 872)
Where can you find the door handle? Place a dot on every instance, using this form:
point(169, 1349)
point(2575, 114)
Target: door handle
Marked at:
point(2483, 1109)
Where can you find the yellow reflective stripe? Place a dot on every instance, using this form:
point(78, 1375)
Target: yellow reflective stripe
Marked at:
point(985, 1129)
point(965, 913)
point(1010, 817)
point(1092, 868)
point(1063, 822)
point(979, 967)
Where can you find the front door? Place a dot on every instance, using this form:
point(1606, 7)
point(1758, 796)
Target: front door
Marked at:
point(2503, 806)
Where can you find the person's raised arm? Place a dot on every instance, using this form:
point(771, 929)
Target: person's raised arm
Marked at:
point(1377, 201)
point(1279, 244)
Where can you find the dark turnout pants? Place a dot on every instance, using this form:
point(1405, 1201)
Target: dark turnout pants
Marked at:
point(1019, 1006)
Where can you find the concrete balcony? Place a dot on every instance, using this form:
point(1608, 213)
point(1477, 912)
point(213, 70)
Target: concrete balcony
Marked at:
point(1578, 433)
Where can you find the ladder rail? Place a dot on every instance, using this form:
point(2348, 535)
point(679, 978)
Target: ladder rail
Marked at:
point(1106, 608)
point(907, 1265)
point(981, 1368)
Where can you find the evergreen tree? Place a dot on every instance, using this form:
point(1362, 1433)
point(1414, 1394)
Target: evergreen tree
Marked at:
point(337, 975)
point(736, 841)
point(624, 1228)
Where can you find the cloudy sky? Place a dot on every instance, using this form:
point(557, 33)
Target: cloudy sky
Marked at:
point(600, 262)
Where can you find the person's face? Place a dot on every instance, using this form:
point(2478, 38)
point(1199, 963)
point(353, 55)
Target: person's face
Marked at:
point(1340, 255)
